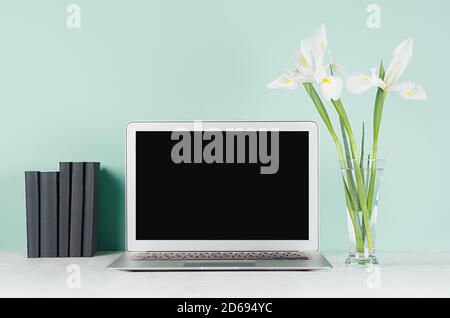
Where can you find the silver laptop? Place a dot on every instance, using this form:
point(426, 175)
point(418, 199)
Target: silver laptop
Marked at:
point(207, 196)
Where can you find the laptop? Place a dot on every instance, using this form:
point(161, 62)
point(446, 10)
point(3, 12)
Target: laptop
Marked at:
point(222, 196)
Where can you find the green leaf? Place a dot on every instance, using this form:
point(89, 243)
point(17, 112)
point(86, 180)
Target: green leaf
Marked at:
point(362, 147)
point(349, 166)
point(366, 181)
point(355, 219)
point(358, 173)
point(346, 146)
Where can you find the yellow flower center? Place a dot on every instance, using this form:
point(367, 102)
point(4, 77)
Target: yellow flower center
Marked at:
point(322, 45)
point(289, 81)
point(410, 94)
point(326, 80)
point(365, 78)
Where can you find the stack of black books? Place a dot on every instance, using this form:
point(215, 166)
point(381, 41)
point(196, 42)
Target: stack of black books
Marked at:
point(62, 209)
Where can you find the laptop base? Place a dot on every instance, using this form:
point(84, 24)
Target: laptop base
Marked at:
point(314, 261)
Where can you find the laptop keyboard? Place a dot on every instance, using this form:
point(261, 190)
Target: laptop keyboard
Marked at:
point(204, 256)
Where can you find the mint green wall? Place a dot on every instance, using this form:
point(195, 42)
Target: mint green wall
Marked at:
point(67, 94)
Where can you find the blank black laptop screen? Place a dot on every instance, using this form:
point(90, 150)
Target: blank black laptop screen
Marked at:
point(222, 185)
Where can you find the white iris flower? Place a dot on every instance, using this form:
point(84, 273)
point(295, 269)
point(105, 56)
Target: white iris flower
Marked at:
point(311, 68)
point(359, 83)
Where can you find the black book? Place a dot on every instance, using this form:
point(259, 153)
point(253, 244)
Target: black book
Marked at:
point(48, 214)
point(32, 206)
point(76, 210)
point(65, 185)
point(91, 180)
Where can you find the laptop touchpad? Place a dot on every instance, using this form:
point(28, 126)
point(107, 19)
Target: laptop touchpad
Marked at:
point(219, 264)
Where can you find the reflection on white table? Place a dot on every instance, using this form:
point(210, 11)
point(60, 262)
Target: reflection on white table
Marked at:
point(401, 275)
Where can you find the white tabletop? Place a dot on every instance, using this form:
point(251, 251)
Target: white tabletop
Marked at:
point(401, 275)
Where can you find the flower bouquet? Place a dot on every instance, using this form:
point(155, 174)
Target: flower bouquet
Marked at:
point(361, 170)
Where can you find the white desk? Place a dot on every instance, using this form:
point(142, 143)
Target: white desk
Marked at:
point(402, 275)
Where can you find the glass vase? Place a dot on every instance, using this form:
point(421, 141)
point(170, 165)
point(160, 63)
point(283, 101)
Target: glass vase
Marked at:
point(361, 182)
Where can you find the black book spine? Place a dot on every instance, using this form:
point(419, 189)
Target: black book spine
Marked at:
point(65, 185)
point(49, 214)
point(76, 210)
point(32, 206)
point(91, 180)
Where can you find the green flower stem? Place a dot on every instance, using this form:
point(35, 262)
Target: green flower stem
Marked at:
point(326, 119)
point(355, 220)
point(349, 173)
point(378, 112)
point(352, 194)
point(377, 115)
point(359, 179)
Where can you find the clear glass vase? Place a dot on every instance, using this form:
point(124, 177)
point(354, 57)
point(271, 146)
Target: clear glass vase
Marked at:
point(361, 182)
